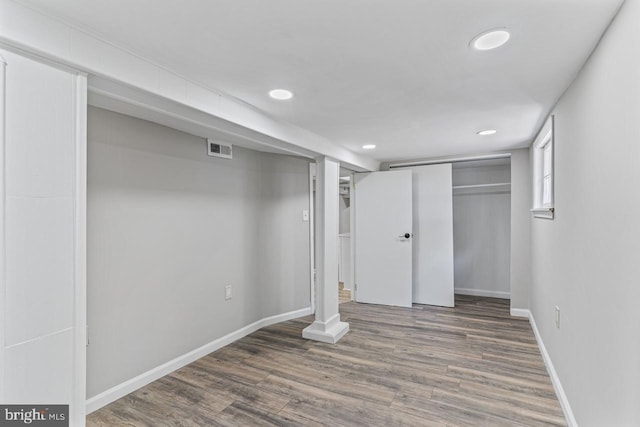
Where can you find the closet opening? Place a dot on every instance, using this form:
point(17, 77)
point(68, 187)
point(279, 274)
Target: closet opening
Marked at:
point(482, 227)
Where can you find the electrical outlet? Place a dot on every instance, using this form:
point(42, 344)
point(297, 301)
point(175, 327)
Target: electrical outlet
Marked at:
point(227, 292)
point(557, 317)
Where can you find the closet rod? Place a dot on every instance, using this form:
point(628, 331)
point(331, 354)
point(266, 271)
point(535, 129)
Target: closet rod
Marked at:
point(497, 184)
point(450, 160)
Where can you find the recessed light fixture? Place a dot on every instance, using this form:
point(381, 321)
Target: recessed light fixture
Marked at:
point(490, 39)
point(369, 146)
point(281, 94)
point(487, 132)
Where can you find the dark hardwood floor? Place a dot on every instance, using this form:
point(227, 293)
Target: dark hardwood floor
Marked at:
point(473, 365)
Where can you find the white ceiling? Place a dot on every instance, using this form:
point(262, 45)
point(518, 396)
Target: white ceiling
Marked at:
point(396, 73)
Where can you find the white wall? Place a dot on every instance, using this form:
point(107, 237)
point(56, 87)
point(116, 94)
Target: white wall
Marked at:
point(586, 261)
point(481, 229)
point(168, 228)
point(520, 265)
point(44, 230)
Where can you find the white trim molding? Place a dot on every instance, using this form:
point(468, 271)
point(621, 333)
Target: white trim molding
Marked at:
point(312, 236)
point(482, 293)
point(78, 414)
point(3, 69)
point(115, 393)
point(543, 171)
point(330, 331)
point(352, 232)
point(448, 159)
point(520, 312)
point(555, 380)
point(544, 213)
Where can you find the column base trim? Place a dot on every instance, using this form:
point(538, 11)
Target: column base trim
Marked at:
point(330, 331)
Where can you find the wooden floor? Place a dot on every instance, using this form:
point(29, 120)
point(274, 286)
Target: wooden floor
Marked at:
point(426, 366)
point(344, 295)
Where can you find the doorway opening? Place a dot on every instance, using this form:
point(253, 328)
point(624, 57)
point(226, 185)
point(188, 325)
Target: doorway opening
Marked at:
point(345, 264)
point(482, 227)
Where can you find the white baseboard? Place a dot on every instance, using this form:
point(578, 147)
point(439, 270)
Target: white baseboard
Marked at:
point(141, 380)
point(482, 293)
point(520, 312)
point(555, 380)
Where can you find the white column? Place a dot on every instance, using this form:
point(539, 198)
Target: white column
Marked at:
point(42, 211)
point(327, 327)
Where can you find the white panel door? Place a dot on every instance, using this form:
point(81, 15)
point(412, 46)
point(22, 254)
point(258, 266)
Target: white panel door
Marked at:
point(383, 210)
point(433, 230)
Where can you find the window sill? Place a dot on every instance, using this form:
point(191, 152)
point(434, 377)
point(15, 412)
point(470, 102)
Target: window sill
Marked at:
point(544, 213)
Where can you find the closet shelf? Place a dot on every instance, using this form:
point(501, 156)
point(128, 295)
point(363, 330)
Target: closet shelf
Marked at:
point(497, 184)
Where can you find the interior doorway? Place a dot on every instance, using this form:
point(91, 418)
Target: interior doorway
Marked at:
point(345, 258)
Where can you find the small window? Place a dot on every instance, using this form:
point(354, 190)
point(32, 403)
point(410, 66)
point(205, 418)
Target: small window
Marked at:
point(543, 172)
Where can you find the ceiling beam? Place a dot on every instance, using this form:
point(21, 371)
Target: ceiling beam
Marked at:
point(36, 34)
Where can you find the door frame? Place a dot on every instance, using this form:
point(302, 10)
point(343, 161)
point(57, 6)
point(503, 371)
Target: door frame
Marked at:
point(81, 335)
point(3, 69)
point(352, 233)
point(312, 236)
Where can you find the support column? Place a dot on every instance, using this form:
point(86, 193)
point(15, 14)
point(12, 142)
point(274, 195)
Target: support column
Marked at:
point(327, 327)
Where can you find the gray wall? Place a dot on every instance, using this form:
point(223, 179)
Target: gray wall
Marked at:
point(520, 274)
point(168, 228)
point(587, 260)
point(481, 229)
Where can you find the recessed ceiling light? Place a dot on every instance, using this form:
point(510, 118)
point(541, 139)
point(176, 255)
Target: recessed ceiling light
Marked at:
point(281, 94)
point(369, 146)
point(487, 132)
point(490, 39)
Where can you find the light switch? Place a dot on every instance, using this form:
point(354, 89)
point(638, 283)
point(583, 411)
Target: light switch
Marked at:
point(305, 215)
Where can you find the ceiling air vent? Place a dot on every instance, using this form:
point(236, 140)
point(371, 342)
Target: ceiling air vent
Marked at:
point(217, 149)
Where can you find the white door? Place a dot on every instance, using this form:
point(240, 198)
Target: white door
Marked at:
point(433, 231)
point(383, 237)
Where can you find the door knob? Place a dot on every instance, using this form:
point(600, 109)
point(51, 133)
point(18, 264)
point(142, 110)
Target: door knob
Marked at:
point(405, 235)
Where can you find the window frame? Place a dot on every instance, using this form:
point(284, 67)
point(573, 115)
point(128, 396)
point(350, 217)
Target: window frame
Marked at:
point(543, 172)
